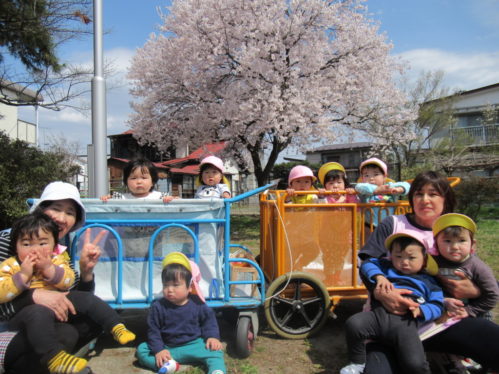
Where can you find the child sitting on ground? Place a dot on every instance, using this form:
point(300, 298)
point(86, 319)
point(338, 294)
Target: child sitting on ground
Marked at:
point(332, 176)
point(211, 174)
point(140, 177)
point(405, 270)
point(180, 325)
point(41, 263)
point(301, 178)
point(454, 240)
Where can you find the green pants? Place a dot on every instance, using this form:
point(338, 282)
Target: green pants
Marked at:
point(192, 353)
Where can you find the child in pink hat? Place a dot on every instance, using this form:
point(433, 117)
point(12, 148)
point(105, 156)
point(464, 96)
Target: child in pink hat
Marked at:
point(301, 178)
point(211, 180)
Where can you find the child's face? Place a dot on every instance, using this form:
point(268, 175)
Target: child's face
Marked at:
point(373, 175)
point(335, 184)
point(139, 182)
point(409, 261)
point(455, 248)
point(176, 291)
point(301, 184)
point(211, 176)
point(41, 245)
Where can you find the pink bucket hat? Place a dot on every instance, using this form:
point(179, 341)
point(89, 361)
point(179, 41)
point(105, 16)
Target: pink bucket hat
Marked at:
point(181, 259)
point(213, 160)
point(377, 162)
point(300, 171)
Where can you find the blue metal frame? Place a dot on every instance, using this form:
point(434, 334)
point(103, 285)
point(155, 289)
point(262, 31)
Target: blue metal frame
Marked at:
point(227, 300)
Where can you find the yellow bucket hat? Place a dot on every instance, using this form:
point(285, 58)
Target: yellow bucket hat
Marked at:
point(453, 219)
point(181, 259)
point(431, 266)
point(327, 167)
point(177, 258)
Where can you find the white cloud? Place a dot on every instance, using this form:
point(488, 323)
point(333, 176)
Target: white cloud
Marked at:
point(462, 71)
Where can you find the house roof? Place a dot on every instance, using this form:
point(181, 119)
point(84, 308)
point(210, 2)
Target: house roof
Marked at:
point(189, 169)
point(198, 154)
point(23, 93)
point(158, 165)
point(334, 147)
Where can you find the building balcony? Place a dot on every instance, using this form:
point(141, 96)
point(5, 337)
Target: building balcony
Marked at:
point(476, 135)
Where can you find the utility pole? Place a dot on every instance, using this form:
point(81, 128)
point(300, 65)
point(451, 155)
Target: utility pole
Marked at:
point(98, 185)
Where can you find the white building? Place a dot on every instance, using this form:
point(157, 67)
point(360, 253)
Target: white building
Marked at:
point(14, 127)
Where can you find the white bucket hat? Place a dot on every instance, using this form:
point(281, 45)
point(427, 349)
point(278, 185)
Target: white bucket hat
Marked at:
point(61, 191)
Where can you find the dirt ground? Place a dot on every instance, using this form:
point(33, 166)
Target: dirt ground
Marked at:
point(324, 353)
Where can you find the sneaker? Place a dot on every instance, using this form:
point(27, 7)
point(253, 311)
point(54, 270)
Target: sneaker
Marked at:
point(353, 369)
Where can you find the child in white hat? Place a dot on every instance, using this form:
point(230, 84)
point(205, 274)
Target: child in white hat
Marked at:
point(211, 180)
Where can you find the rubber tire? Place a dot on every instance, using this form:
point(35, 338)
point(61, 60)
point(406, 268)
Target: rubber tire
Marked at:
point(245, 337)
point(304, 317)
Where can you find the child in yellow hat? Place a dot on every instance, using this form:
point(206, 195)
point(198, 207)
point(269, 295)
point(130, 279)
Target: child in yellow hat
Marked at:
point(180, 325)
point(456, 245)
point(333, 177)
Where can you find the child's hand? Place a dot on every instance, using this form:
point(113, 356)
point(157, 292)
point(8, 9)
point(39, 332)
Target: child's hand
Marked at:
point(226, 195)
point(105, 198)
point(290, 191)
point(44, 265)
point(350, 191)
point(416, 312)
point(455, 308)
point(167, 199)
point(383, 190)
point(213, 344)
point(27, 267)
point(162, 357)
point(397, 190)
point(383, 284)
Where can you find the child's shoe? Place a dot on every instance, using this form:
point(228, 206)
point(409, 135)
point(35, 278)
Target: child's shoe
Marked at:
point(121, 334)
point(64, 363)
point(353, 369)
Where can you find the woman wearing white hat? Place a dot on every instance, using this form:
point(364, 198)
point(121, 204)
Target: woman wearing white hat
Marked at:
point(61, 202)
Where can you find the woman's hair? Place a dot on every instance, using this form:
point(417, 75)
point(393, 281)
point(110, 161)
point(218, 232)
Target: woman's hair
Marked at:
point(336, 174)
point(174, 273)
point(440, 183)
point(143, 164)
point(30, 225)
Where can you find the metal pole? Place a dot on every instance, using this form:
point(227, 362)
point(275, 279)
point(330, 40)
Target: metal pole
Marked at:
point(99, 125)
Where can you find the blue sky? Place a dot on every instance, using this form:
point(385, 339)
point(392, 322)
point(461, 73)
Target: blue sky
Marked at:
point(460, 37)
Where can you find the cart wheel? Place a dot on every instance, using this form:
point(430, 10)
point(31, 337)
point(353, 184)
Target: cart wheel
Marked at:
point(297, 305)
point(245, 337)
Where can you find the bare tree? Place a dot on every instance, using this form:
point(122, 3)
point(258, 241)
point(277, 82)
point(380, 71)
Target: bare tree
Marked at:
point(31, 32)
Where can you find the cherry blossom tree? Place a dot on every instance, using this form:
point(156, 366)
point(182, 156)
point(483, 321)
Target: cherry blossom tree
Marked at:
point(263, 75)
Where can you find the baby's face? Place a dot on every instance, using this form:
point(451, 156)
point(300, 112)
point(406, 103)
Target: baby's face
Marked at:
point(373, 175)
point(301, 184)
point(176, 292)
point(455, 248)
point(335, 184)
point(40, 245)
point(408, 261)
point(211, 176)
